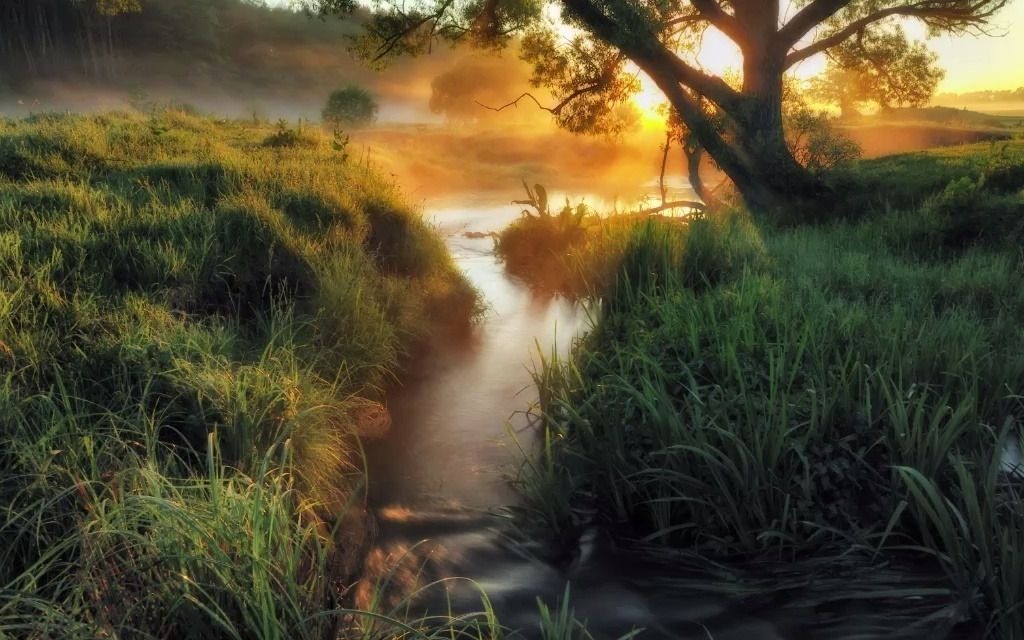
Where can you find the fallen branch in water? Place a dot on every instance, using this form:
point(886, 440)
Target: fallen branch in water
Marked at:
point(676, 204)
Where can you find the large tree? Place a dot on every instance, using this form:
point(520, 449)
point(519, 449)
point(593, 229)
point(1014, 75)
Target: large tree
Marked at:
point(658, 37)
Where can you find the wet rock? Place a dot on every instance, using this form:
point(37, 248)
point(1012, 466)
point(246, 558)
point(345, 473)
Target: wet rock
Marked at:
point(373, 421)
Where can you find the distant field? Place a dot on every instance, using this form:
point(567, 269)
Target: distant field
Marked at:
point(438, 160)
point(1013, 109)
point(878, 140)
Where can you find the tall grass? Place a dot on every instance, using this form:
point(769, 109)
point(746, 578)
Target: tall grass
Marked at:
point(785, 394)
point(188, 320)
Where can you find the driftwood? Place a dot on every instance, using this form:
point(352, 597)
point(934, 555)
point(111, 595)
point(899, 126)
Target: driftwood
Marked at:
point(537, 198)
point(676, 204)
point(477, 235)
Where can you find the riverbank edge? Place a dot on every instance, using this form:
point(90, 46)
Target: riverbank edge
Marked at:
point(706, 310)
point(249, 298)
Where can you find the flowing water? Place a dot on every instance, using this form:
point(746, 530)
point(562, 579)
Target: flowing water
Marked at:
point(439, 483)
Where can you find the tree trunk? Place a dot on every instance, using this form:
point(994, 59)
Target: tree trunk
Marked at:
point(773, 181)
point(753, 150)
point(694, 155)
point(754, 153)
point(776, 182)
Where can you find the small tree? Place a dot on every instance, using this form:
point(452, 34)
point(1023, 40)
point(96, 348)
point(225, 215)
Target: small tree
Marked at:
point(352, 106)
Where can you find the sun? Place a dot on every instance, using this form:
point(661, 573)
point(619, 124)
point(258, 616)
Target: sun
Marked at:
point(649, 101)
point(718, 55)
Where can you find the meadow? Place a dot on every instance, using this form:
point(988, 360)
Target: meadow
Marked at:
point(193, 315)
point(837, 405)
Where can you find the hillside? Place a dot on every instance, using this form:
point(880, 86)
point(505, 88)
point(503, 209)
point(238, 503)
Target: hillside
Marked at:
point(196, 317)
point(223, 56)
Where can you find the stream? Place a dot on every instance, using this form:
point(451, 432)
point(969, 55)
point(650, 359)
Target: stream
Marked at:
point(439, 488)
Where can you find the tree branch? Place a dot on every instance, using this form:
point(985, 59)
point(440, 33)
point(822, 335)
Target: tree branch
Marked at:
point(951, 14)
point(711, 11)
point(555, 110)
point(646, 46)
point(807, 18)
point(389, 41)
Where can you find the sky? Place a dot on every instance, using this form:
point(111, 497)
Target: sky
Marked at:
point(976, 63)
point(972, 63)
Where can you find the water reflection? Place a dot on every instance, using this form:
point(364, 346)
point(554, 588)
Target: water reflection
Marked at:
point(456, 415)
point(440, 475)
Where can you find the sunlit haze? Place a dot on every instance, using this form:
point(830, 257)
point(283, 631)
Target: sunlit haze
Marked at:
point(972, 63)
point(490, 341)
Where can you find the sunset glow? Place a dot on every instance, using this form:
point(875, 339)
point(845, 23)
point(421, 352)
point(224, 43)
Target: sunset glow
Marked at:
point(331, 319)
point(718, 55)
point(649, 101)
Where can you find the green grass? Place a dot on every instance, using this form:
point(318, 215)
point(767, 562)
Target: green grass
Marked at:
point(782, 396)
point(902, 182)
point(189, 319)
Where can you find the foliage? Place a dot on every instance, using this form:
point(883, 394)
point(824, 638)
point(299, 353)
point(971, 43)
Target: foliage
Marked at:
point(881, 67)
point(815, 141)
point(775, 394)
point(587, 79)
point(535, 246)
point(352, 106)
point(286, 136)
point(115, 7)
point(188, 322)
point(588, 74)
point(903, 182)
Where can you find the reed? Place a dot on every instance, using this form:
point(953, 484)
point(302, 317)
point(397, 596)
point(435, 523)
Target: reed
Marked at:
point(786, 394)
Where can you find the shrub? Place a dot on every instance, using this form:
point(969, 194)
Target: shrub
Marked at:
point(816, 144)
point(288, 137)
point(352, 106)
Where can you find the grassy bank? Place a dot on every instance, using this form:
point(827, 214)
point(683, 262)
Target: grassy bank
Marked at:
point(192, 315)
point(834, 396)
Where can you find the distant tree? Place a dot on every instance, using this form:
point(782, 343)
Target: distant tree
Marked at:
point(461, 93)
point(352, 106)
point(38, 35)
point(880, 67)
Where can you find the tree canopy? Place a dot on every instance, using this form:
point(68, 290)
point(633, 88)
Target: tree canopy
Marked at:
point(612, 38)
point(352, 106)
point(883, 68)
